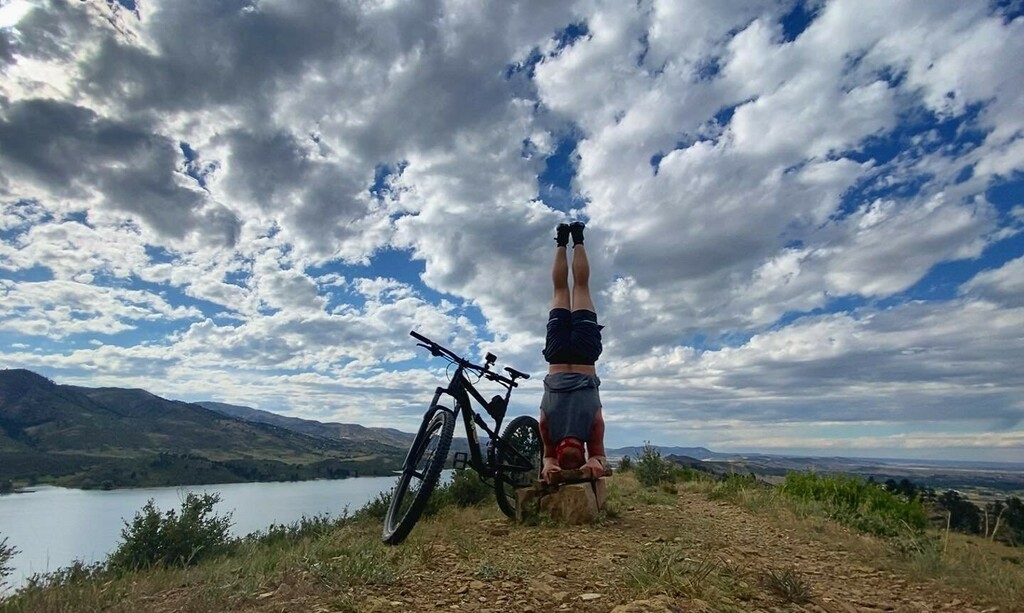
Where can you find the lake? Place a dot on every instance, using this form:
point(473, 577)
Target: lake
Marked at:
point(53, 526)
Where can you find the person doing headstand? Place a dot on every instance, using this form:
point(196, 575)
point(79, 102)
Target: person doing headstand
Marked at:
point(571, 424)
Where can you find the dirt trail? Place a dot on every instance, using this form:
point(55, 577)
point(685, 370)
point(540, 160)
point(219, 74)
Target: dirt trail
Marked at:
point(494, 566)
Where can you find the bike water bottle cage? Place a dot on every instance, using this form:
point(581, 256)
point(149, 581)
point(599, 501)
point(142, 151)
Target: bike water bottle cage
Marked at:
point(497, 407)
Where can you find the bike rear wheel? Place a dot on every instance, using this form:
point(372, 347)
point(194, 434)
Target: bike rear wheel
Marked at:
point(521, 443)
point(420, 474)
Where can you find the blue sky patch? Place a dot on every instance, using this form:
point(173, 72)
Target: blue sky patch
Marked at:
point(798, 19)
point(569, 35)
point(555, 183)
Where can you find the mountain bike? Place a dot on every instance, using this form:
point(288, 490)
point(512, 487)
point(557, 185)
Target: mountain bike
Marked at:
point(511, 460)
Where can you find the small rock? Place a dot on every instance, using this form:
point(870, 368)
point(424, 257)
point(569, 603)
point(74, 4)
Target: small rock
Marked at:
point(660, 604)
point(560, 572)
point(498, 531)
point(461, 589)
point(476, 585)
point(589, 596)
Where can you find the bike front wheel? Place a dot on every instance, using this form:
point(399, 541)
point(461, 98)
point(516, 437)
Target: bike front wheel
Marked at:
point(420, 474)
point(519, 457)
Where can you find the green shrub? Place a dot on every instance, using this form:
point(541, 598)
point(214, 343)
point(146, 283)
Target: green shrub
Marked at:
point(734, 484)
point(686, 474)
point(651, 469)
point(315, 527)
point(859, 504)
point(172, 539)
point(466, 489)
point(626, 464)
point(376, 509)
point(7, 552)
point(75, 574)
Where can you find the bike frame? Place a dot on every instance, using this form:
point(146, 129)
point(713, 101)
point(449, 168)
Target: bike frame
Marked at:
point(461, 389)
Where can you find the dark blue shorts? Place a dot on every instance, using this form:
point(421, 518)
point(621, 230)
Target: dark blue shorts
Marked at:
point(573, 337)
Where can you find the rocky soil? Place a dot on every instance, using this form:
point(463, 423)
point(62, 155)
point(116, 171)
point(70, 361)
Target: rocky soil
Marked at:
point(693, 554)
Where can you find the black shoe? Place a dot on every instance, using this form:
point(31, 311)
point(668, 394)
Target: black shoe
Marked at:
point(576, 229)
point(562, 235)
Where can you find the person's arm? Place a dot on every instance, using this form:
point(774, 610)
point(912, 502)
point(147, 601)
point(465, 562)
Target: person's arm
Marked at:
point(549, 471)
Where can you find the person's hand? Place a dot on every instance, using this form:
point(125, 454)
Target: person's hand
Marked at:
point(551, 471)
point(595, 466)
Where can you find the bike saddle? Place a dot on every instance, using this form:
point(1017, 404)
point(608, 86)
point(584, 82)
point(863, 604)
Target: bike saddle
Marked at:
point(515, 374)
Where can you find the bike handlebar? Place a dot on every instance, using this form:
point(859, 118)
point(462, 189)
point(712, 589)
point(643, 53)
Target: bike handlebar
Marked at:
point(439, 350)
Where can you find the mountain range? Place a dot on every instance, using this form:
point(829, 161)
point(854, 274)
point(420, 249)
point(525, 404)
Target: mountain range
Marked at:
point(329, 430)
point(114, 437)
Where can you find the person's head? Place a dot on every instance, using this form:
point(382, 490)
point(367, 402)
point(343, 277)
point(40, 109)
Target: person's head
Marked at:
point(570, 454)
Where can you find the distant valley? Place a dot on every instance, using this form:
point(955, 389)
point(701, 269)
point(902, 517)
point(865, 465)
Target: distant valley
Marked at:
point(113, 437)
point(982, 481)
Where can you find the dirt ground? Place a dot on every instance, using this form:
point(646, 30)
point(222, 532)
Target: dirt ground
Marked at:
point(631, 563)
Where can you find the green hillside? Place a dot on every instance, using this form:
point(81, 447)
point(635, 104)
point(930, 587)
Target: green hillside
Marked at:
point(330, 430)
point(112, 437)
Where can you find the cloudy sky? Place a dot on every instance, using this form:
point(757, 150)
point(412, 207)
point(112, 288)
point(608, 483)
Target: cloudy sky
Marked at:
point(804, 219)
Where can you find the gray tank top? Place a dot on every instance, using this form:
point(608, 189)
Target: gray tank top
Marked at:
point(570, 402)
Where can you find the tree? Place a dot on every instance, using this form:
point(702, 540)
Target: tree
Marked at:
point(964, 516)
point(1009, 523)
point(905, 488)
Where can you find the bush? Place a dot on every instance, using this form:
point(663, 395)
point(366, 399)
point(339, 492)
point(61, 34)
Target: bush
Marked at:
point(651, 469)
point(315, 526)
point(626, 464)
point(376, 509)
point(74, 574)
point(466, 489)
point(733, 484)
point(7, 552)
point(172, 539)
point(861, 505)
point(685, 474)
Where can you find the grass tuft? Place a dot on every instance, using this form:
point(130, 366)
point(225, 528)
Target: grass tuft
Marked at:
point(663, 568)
point(787, 584)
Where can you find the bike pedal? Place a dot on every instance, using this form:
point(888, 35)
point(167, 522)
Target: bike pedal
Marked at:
point(461, 460)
